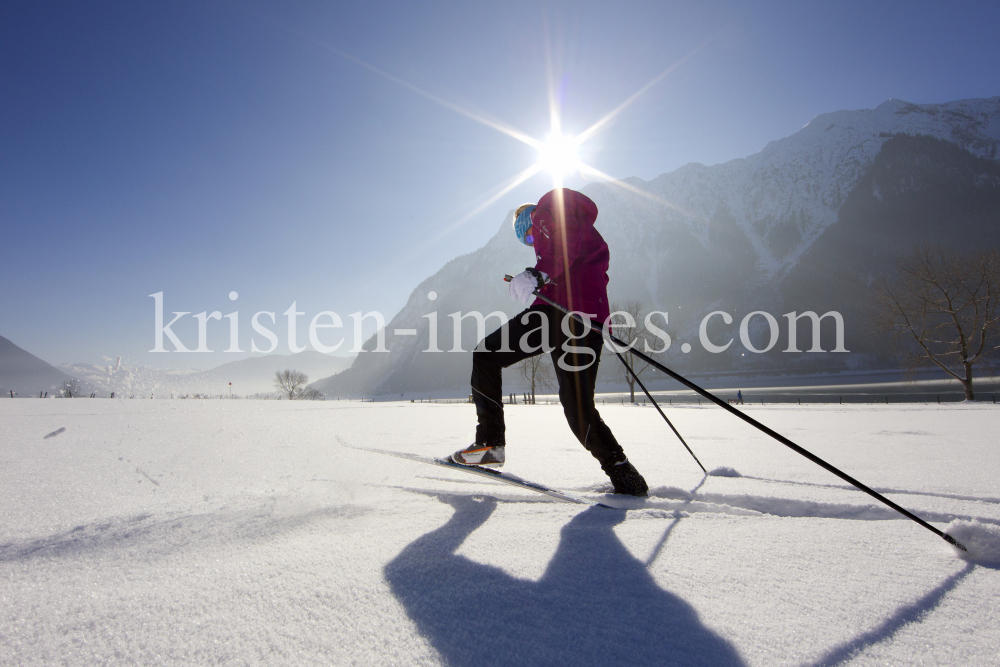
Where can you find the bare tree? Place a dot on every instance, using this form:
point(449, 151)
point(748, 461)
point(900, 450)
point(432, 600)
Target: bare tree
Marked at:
point(310, 394)
point(946, 303)
point(629, 327)
point(290, 382)
point(537, 370)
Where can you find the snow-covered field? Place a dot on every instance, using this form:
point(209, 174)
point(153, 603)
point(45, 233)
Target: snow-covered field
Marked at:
point(240, 532)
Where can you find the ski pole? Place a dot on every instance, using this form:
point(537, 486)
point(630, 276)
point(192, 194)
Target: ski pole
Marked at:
point(635, 376)
point(756, 424)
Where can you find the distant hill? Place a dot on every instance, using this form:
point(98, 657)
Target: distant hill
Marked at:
point(254, 375)
point(805, 224)
point(26, 375)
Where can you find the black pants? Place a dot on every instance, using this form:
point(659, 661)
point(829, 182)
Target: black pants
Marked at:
point(575, 360)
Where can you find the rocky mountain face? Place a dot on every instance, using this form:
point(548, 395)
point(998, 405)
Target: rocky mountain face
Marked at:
point(805, 224)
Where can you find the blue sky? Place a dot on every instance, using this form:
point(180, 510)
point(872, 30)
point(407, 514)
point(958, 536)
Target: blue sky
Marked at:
point(199, 148)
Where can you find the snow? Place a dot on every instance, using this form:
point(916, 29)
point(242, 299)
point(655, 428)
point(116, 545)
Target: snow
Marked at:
point(233, 532)
point(982, 542)
point(810, 172)
point(724, 471)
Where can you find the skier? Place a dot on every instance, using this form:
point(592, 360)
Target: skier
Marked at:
point(739, 396)
point(571, 269)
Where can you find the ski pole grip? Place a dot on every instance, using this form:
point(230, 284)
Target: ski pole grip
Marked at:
point(507, 278)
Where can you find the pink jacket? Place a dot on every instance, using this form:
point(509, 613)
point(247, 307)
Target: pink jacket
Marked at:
point(572, 253)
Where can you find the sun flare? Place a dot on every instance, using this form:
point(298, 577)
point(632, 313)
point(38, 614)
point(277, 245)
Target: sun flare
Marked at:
point(557, 155)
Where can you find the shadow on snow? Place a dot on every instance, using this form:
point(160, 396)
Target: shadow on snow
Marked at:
point(904, 616)
point(595, 605)
point(147, 537)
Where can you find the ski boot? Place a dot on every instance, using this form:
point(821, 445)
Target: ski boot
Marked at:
point(480, 455)
point(626, 479)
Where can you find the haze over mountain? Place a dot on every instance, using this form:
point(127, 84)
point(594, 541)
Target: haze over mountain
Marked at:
point(804, 224)
point(26, 375)
point(254, 375)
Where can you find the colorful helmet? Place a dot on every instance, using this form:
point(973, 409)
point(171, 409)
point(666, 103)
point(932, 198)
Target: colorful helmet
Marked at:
point(522, 221)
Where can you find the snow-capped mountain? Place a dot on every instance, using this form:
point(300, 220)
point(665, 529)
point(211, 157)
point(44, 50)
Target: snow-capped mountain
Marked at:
point(783, 197)
point(729, 236)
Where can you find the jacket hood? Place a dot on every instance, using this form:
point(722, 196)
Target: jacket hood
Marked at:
point(577, 207)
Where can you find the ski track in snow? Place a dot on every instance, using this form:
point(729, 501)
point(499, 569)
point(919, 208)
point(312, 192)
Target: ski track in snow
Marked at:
point(786, 507)
point(884, 490)
point(205, 532)
point(669, 501)
point(672, 500)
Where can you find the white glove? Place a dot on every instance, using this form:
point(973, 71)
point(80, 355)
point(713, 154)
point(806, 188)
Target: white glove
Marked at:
point(524, 284)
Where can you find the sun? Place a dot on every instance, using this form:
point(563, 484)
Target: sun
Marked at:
point(557, 155)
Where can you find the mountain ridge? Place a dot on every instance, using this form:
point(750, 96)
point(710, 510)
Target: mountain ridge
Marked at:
point(695, 239)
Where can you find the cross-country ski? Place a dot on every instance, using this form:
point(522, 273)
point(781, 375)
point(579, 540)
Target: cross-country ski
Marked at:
point(487, 473)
